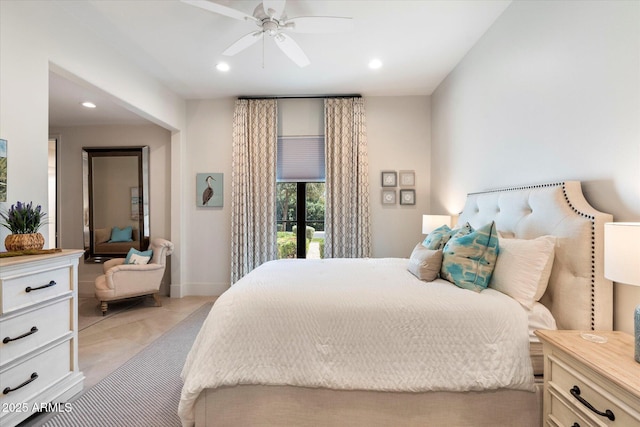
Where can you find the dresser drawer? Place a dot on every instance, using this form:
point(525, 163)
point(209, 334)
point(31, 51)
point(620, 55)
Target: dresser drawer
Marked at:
point(50, 366)
point(23, 290)
point(565, 381)
point(32, 328)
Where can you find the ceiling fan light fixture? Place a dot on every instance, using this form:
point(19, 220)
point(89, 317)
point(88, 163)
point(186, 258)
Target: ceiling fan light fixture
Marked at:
point(270, 27)
point(88, 104)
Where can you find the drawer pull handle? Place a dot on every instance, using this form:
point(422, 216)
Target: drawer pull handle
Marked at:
point(26, 334)
point(33, 377)
point(575, 391)
point(48, 285)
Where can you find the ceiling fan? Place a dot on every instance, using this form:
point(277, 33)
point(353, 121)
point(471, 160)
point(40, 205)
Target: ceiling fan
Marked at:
point(271, 20)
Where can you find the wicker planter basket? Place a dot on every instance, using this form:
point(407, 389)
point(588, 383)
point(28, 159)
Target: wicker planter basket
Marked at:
point(21, 242)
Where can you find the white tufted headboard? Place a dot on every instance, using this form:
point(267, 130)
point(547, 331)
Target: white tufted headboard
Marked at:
point(578, 295)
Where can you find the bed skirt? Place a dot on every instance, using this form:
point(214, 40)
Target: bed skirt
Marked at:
point(259, 405)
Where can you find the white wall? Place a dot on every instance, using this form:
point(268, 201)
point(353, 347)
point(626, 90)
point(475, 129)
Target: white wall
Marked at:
point(209, 133)
point(399, 138)
point(36, 37)
point(399, 135)
point(551, 92)
point(72, 139)
point(301, 117)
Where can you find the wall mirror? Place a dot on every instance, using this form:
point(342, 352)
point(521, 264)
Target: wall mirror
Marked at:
point(116, 201)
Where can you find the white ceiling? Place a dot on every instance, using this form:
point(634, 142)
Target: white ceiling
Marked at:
point(419, 43)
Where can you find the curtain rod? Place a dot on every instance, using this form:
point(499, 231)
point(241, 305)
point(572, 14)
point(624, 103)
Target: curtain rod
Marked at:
point(301, 96)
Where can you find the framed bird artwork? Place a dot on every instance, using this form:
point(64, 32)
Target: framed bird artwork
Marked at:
point(209, 189)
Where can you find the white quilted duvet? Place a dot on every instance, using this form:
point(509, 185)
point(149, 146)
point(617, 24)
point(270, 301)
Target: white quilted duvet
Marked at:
point(357, 324)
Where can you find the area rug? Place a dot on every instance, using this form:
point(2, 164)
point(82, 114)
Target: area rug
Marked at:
point(143, 392)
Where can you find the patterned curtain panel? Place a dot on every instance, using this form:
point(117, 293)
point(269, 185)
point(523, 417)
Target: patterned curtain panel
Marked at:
point(347, 218)
point(253, 185)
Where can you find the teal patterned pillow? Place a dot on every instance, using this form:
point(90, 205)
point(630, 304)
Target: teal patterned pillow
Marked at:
point(469, 259)
point(437, 238)
point(441, 235)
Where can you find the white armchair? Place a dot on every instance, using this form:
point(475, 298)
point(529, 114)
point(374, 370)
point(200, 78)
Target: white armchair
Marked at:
point(121, 281)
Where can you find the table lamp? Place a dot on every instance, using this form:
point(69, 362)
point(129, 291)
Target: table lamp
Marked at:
point(431, 222)
point(622, 262)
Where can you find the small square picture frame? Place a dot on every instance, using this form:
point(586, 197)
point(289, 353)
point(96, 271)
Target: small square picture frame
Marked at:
point(407, 197)
point(388, 197)
point(407, 178)
point(389, 178)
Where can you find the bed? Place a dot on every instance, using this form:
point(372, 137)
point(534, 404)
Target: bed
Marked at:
point(294, 343)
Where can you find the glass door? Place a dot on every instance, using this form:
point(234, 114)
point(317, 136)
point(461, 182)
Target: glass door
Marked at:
point(300, 219)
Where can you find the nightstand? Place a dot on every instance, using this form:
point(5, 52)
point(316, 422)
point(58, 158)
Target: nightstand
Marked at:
point(589, 383)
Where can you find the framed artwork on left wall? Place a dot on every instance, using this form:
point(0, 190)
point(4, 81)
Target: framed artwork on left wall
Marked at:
point(209, 190)
point(3, 170)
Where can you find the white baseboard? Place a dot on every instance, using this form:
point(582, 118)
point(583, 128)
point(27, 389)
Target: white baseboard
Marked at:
point(198, 289)
point(87, 289)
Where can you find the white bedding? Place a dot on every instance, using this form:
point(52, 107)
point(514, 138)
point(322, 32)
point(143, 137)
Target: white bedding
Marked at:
point(539, 318)
point(357, 324)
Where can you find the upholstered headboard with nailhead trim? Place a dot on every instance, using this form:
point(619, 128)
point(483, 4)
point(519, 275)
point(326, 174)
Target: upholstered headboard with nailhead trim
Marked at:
point(578, 295)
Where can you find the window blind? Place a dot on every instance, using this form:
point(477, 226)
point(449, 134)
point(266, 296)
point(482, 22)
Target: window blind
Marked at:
point(300, 158)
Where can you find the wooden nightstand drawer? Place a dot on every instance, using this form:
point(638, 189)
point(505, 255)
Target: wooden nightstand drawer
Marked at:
point(588, 382)
point(23, 290)
point(581, 391)
point(563, 413)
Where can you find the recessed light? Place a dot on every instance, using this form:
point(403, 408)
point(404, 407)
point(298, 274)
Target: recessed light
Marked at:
point(223, 66)
point(88, 104)
point(374, 64)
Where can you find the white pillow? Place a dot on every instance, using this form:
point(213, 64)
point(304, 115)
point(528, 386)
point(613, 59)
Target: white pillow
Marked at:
point(425, 263)
point(523, 268)
point(540, 318)
point(139, 259)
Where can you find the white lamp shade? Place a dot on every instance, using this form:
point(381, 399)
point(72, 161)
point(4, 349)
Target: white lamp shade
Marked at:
point(431, 222)
point(622, 252)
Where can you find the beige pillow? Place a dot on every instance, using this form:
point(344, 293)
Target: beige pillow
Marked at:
point(425, 263)
point(523, 268)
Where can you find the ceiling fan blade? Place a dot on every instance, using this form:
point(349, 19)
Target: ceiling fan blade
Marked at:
point(243, 43)
point(319, 24)
point(292, 49)
point(273, 8)
point(220, 9)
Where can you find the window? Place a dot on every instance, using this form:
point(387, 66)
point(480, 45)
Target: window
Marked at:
point(300, 196)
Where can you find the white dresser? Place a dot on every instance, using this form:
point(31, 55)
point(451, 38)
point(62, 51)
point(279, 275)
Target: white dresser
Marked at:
point(590, 383)
point(38, 334)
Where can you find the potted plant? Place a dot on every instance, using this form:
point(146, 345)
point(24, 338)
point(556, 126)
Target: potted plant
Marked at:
point(24, 221)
